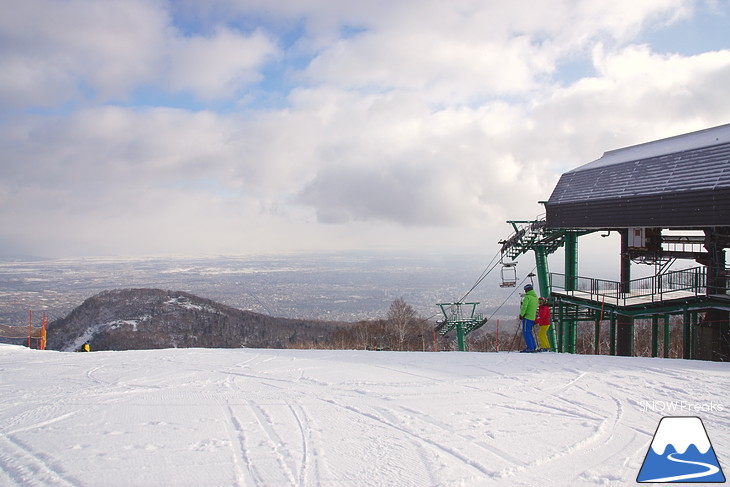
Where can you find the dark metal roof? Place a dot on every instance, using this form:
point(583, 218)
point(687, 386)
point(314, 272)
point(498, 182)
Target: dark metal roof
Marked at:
point(682, 181)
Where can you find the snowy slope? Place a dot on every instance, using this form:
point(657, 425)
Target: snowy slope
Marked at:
point(248, 417)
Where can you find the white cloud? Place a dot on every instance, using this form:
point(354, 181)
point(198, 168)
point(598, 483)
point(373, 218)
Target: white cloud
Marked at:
point(463, 52)
point(56, 52)
point(53, 52)
point(415, 122)
point(218, 66)
point(637, 96)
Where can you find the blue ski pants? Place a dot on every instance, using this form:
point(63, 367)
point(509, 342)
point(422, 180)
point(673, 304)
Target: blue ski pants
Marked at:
point(527, 333)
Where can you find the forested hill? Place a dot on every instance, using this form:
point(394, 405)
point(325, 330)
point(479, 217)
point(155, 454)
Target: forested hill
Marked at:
point(132, 319)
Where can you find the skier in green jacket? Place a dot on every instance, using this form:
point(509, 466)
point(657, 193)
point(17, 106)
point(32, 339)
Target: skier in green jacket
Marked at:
point(528, 312)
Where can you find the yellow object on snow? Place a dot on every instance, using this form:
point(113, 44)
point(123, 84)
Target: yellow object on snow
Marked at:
point(542, 337)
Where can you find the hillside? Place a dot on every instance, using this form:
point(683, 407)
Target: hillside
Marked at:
point(136, 319)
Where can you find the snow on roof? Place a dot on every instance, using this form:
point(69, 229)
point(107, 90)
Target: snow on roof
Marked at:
point(681, 181)
point(680, 143)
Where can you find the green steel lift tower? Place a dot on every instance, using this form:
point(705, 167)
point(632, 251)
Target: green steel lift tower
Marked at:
point(464, 320)
point(533, 235)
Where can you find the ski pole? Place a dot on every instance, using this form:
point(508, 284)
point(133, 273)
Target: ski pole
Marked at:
point(512, 345)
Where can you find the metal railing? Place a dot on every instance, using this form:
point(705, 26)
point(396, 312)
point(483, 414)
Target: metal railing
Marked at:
point(671, 285)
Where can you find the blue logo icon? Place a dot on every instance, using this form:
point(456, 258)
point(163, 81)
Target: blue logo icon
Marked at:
point(681, 452)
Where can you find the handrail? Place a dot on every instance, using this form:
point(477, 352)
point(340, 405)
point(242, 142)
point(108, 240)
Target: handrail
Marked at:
point(671, 285)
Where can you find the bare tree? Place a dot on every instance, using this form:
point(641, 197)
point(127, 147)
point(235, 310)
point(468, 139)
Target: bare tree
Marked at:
point(402, 320)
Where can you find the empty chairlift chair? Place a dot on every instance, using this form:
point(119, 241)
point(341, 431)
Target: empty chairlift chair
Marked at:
point(509, 274)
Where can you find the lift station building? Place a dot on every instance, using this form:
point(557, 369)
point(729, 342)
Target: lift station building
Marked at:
point(669, 200)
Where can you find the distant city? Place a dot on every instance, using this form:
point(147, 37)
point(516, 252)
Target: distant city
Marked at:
point(335, 287)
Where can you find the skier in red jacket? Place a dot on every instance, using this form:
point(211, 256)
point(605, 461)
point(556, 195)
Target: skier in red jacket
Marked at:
point(543, 319)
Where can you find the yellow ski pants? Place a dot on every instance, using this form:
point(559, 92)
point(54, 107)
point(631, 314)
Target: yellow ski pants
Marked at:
point(542, 337)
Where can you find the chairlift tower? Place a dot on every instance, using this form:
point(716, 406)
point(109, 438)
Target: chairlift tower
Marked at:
point(667, 199)
point(461, 317)
point(534, 235)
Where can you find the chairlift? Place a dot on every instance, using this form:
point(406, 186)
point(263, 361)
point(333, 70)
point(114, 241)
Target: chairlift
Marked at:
point(509, 274)
point(531, 275)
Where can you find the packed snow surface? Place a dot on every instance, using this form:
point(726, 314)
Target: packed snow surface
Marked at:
point(245, 417)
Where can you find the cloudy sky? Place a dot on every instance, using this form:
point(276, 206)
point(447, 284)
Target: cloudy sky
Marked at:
point(153, 127)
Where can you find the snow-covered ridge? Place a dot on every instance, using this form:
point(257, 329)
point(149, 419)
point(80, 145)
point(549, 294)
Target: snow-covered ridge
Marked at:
point(186, 303)
point(127, 319)
point(95, 329)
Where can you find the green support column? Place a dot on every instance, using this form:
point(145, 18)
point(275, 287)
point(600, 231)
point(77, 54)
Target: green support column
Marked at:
point(552, 336)
point(566, 329)
point(692, 338)
point(654, 336)
point(463, 322)
point(571, 282)
point(571, 261)
point(612, 333)
point(543, 276)
point(686, 348)
point(625, 336)
point(666, 336)
point(625, 324)
point(572, 335)
point(460, 337)
point(597, 343)
point(561, 328)
point(543, 280)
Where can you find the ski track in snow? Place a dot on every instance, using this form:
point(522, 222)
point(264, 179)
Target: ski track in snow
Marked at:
point(195, 417)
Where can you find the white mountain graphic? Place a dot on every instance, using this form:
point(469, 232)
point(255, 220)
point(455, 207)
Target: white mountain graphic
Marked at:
point(680, 432)
point(681, 452)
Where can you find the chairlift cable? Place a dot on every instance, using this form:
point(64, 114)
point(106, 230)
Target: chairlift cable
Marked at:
point(487, 270)
point(483, 275)
point(510, 295)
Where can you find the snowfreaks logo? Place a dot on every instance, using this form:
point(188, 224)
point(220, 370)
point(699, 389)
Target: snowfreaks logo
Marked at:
point(681, 452)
